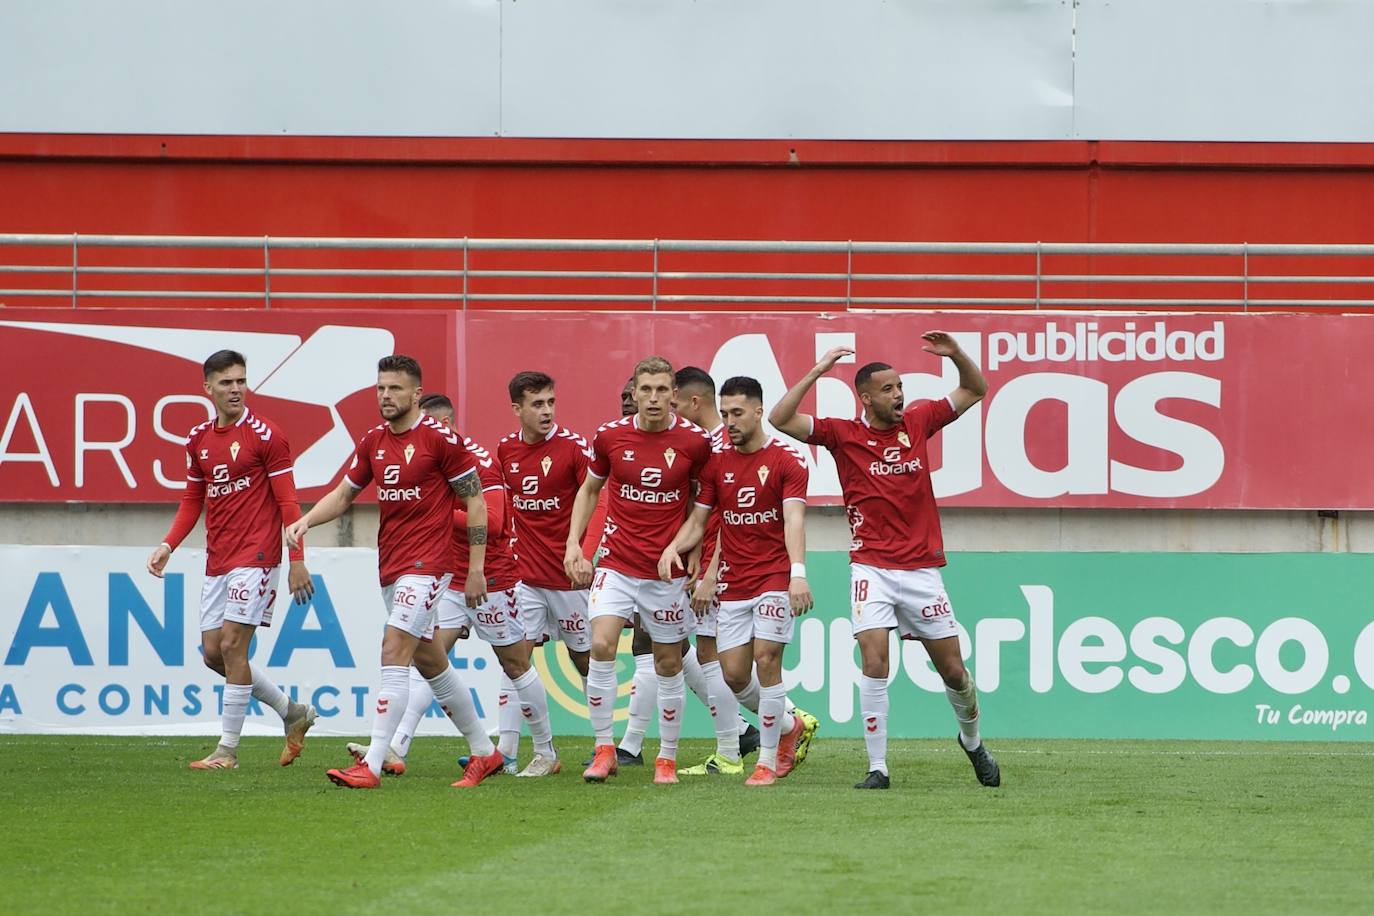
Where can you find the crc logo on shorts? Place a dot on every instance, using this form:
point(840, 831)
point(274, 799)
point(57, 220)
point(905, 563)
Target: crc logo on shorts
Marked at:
point(746, 497)
point(650, 477)
point(405, 596)
point(529, 485)
point(672, 615)
point(391, 475)
point(239, 594)
point(574, 624)
point(491, 618)
point(772, 610)
point(937, 610)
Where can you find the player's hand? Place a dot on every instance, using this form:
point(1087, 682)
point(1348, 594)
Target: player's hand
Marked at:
point(577, 566)
point(694, 563)
point(157, 560)
point(703, 595)
point(475, 588)
point(832, 356)
point(940, 343)
point(668, 562)
point(299, 582)
point(799, 594)
point(295, 531)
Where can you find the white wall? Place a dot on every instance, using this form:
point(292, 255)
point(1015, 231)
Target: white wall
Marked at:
point(861, 69)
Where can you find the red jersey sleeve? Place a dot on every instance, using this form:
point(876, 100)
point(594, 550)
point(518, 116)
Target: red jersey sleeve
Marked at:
point(825, 432)
point(582, 458)
point(932, 416)
point(276, 454)
point(359, 473)
point(599, 463)
point(707, 496)
point(795, 480)
point(454, 459)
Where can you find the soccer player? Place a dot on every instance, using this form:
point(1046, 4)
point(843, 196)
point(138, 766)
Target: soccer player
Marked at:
point(735, 737)
point(419, 465)
point(652, 461)
point(896, 544)
point(494, 623)
point(543, 466)
point(759, 486)
point(239, 466)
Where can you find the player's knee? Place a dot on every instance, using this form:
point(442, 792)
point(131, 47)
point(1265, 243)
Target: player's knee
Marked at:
point(736, 680)
point(956, 677)
point(214, 661)
point(875, 667)
point(603, 650)
point(514, 665)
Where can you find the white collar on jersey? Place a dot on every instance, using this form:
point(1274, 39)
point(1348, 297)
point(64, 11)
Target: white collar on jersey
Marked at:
point(243, 418)
point(672, 422)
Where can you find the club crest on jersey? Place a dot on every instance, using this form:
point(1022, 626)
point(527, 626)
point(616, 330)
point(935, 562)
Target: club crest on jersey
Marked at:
point(234, 450)
point(669, 455)
point(903, 438)
point(763, 473)
point(409, 451)
point(545, 463)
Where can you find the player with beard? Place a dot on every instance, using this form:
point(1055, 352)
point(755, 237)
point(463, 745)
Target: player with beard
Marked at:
point(896, 546)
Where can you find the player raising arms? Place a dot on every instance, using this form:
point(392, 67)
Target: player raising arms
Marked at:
point(896, 545)
point(419, 465)
point(239, 466)
point(651, 460)
point(759, 486)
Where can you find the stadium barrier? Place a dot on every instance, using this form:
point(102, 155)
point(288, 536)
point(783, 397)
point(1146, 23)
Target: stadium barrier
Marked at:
point(1159, 645)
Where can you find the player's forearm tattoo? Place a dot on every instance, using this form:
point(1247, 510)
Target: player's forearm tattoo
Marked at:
point(477, 535)
point(467, 486)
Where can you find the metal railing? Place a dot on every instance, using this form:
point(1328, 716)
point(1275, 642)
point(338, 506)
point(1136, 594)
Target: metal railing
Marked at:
point(658, 274)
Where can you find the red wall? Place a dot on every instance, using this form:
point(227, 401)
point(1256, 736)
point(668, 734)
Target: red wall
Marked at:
point(1012, 191)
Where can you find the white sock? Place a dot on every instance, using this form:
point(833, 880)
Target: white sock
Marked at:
point(749, 696)
point(421, 696)
point(508, 717)
point(695, 677)
point(534, 706)
point(601, 700)
point(643, 703)
point(391, 706)
point(235, 708)
point(724, 711)
point(873, 708)
point(965, 703)
point(773, 719)
point(456, 701)
point(671, 699)
point(268, 693)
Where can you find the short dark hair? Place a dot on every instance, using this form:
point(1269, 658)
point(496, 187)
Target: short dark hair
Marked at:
point(399, 363)
point(435, 401)
point(530, 382)
point(691, 375)
point(867, 372)
point(223, 359)
point(742, 384)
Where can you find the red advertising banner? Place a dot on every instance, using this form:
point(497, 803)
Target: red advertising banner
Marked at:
point(96, 404)
point(1084, 410)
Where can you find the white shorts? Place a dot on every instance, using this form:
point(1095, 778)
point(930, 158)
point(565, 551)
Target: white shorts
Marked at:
point(663, 607)
point(411, 603)
point(497, 621)
point(550, 612)
point(453, 611)
point(913, 601)
point(769, 616)
point(244, 595)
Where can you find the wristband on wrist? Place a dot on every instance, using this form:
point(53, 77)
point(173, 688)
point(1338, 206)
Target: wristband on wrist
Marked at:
point(798, 570)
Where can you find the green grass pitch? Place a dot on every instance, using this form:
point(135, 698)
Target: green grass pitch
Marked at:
point(104, 824)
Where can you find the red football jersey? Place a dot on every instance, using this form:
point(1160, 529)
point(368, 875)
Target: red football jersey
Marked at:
point(720, 440)
point(746, 492)
point(414, 471)
point(649, 479)
point(498, 565)
point(543, 480)
point(242, 518)
point(885, 477)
